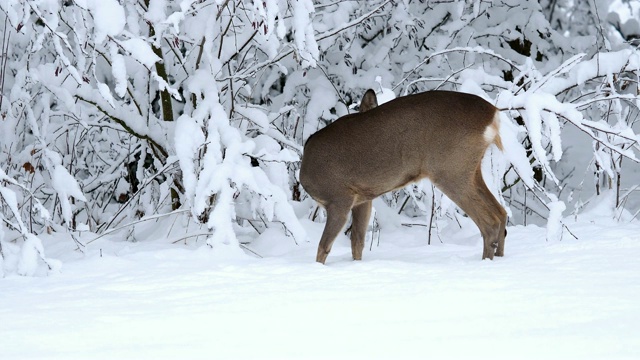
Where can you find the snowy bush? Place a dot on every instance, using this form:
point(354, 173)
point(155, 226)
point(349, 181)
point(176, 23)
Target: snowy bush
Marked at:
point(113, 112)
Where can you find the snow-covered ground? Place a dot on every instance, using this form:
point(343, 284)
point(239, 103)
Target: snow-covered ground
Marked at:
point(406, 300)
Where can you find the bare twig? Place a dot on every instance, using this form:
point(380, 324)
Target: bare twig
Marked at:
point(154, 145)
point(537, 186)
point(474, 50)
point(152, 217)
point(331, 33)
point(433, 212)
point(146, 183)
point(4, 57)
point(352, 23)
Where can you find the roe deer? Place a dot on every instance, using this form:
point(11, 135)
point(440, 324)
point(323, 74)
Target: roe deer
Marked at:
point(440, 135)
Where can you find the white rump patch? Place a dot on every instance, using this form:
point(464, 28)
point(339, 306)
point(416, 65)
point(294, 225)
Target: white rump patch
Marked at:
point(490, 133)
point(492, 130)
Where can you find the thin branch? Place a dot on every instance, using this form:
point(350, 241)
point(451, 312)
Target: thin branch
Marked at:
point(152, 217)
point(4, 58)
point(147, 182)
point(585, 104)
point(474, 50)
point(350, 24)
point(330, 33)
point(240, 50)
point(583, 127)
point(334, 86)
point(125, 126)
point(539, 187)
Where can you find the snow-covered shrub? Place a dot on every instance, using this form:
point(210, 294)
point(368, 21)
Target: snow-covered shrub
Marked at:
point(95, 90)
point(114, 111)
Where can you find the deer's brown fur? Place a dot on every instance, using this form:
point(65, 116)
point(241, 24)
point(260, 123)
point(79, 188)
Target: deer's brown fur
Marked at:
point(440, 135)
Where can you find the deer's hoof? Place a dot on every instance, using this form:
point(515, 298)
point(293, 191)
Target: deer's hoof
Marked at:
point(322, 257)
point(488, 254)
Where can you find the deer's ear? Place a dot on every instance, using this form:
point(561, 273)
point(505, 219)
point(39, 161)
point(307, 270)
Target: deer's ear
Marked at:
point(369, 101)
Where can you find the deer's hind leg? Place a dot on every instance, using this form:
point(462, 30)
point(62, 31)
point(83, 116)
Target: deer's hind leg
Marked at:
point(497, 211)
point(494, 219)
point(360, 215)
point(471, 194)
point(337, 214)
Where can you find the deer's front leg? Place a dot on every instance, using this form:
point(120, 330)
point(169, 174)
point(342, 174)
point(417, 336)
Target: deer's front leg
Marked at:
point(337, 214)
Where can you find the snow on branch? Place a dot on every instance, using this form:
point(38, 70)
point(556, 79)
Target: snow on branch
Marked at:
point(91, 130)
point(216, 167)
point(305, 40)
point(352, 23)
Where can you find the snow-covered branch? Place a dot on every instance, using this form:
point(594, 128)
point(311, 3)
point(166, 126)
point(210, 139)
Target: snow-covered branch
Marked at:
point(89, 91)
